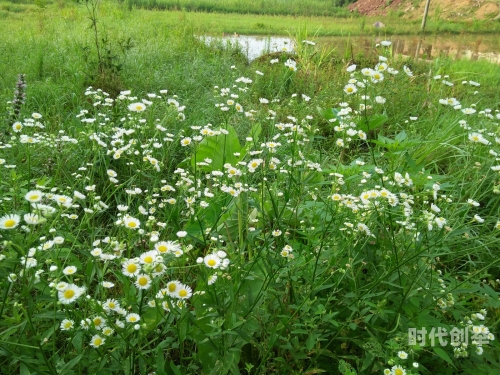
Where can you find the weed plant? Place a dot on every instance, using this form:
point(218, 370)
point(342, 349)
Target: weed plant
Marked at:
point(297, 215)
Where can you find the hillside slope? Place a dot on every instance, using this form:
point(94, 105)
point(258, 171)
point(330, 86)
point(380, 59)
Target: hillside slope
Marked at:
point(448, 9)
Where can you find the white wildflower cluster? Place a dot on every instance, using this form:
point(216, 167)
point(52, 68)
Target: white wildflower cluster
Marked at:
point(478, 336)
point(125, 136)
point(393, 198)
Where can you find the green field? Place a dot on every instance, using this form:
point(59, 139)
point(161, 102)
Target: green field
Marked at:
point(168, 207)
point(328, 8)
point(259, 21)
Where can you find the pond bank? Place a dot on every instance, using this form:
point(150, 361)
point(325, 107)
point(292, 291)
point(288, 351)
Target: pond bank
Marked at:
point(470, 47)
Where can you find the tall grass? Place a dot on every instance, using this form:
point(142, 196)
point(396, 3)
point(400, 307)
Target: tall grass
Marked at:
point(273, 7)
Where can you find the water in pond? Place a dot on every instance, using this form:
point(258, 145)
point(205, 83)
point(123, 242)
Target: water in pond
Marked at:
point(256, 46)
point(472, 47)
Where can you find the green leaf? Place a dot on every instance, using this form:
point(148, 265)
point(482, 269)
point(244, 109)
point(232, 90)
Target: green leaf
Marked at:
point(221, 149)
point(441, 353)
point(78, 342)
point(345, 368)
point(367, 361)
point(24, 369)
point(160, 360)
point(373, 122)
point(183, 328)
point(175, 369)
point(401, 136)
point(329, 114)
point(255, 131)
point(312, 339)
point(68, 366)
point(229, 222)
point(151, 318)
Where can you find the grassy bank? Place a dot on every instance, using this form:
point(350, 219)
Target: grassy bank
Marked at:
point(192, 212)
point(275, 7)
point(55, 48)
point(265, 24)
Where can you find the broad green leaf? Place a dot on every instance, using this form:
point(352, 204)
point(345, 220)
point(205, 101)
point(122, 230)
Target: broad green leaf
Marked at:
point(373, 122)
point(254, 133)
point(228, 224)
point(345, 368)
point(68, 366)
point(160, 359)
point(175, 368)
point(77, 342)
point(151, 318)
point(441, 353)
point(221, 149)
point(329, 113)
point(23, 369)
point(367, 361)
point(183, 328)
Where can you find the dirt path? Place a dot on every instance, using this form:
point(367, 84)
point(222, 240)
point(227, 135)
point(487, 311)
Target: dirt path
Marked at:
point(446, 9)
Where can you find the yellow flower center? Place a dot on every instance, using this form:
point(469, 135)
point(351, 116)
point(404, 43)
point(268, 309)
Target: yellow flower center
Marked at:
point(162, 249)
point(34, 197)
point(132, 267)
point(97, 321)
point(132, 319)
point(172, 287)
point(143, 281)
point(10, 223)
point(68, 294)
point(132, 224)
point(398, 372)
point(183, 293)
point(98, 341)
point(148, 259)
point(211, 262)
